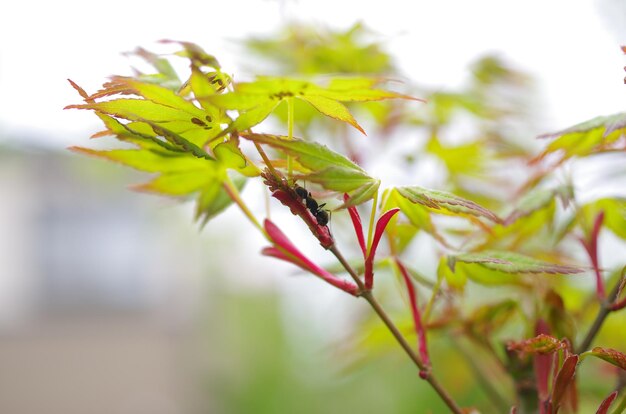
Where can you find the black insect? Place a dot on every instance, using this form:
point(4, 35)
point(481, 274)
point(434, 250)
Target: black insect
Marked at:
point(317, 210)
point(311, 204)
point(301, 192)
point(321, 216)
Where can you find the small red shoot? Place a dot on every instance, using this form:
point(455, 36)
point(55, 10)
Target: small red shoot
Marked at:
point(563, 380)
point(378, 233)
point(358, 226)
point(417, 317)
point(606, 404)
point(542, 363)
point(591, 246)
point(285, 250)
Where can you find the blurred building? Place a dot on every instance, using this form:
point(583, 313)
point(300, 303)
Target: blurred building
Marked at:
point(94, 296)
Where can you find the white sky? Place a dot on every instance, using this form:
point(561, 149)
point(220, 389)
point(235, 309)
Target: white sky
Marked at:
point(571, 46)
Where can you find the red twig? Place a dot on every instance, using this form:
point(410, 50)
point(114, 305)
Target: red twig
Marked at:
point(591, 246)
point(417, 317)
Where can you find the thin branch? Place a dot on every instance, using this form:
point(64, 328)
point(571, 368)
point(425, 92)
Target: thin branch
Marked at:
point(266, 160)
point(348, 268)
point(605, 309)
point(425, 372)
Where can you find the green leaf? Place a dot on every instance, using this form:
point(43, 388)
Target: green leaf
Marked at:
point(333, 109)
point(156, 104)
point(514, 263)
point(534, 231)
point(339, 178)
point(418, 215)
point(170, 131)
point(445, 203)
point(180, 173)
point(238, 100)
point(196, 54)
point(191, 128)
point(482, 275)
point(596, 135)
point(362, 194)
point(352, 83)
point(498, 267)
point(309, 50)
point(179, 140)
point(166, 73)
point(204, 85)
point(357, 94)
point(135, 109)
point(180, 183)
point(311, 155)
point(183, 174)
point(455, 280)
point(608, 124)
point(331, 170)
point(531, 223)
point(214, 199)
point(609, 355)
point(157, 94)
point(537, 200)
point(251, 118)
point(147, 160)
point(230, 156)
point(264, 94)
point(461, 159)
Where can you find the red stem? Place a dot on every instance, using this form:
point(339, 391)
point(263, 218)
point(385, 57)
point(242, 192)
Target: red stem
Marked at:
point(591, 246)
point(417, 317)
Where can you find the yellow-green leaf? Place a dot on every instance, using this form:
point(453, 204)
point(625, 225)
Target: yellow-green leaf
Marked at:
point(456, 280)
point(330, 169)
point(446, 203)
point(509, 262)
point(332, 108)
point(595, 135)
point(180, 183)
point(147, 160)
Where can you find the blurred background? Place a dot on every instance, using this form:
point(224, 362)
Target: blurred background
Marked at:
point(114, 302)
